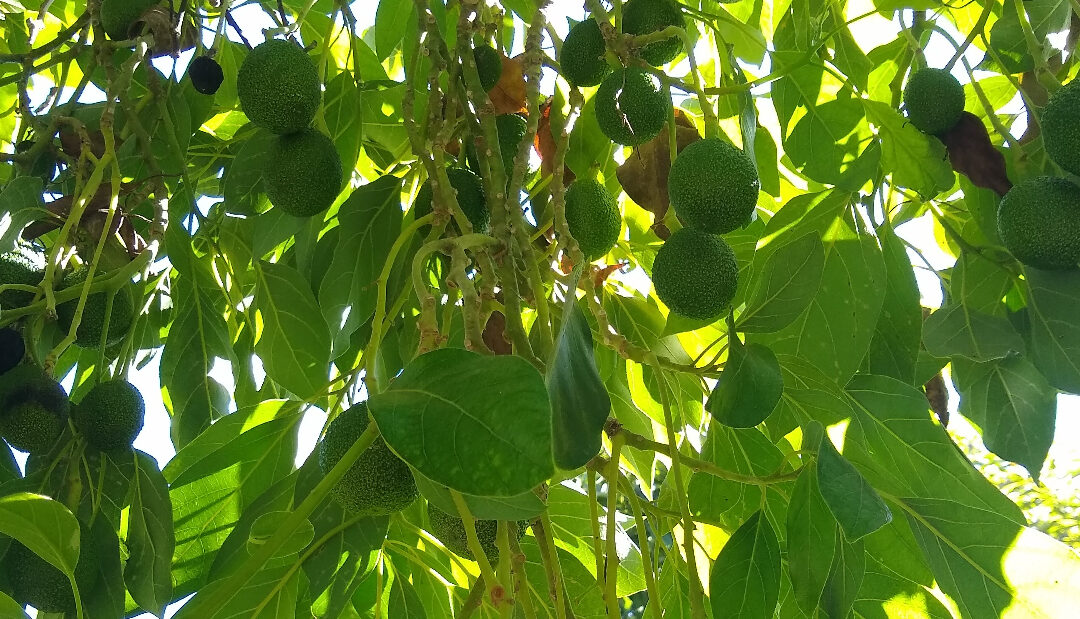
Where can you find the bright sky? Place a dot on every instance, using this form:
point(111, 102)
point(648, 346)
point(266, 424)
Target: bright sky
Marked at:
point(870, 32)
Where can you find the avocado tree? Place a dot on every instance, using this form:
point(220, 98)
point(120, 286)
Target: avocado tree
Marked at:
point(533, 309)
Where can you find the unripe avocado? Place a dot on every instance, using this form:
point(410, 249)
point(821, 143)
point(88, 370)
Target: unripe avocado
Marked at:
point(648, 16)
point(631, 106)
point(1061, 127)
point(695, 274)
point(304, 175)
point(33, 409)
point(110, 416)
point(92, 324)
point(278, 86)
point(205, 74)
point(12, 349)
point(20, 266)
point(36, 582)
point(582, 55)
point(592, 214)
point(118, 16)
point(713, 186)
point(378, 482)
point(512, 129)
point(470, 196)
point(934, 100)
point(488, 65)
point(1039, 223)
point(450, 530)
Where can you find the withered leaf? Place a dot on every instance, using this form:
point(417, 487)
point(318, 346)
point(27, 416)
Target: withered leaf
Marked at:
point(644, 175)
point(508, 94)
point(973, 154)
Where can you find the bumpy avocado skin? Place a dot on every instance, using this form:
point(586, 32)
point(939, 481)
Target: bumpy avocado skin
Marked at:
point(648, 16)
point(695, 274)
point(117, 16)
point(278, 86)
point(488, 65)
point(470, 196)
point(631, 106)
point(592, 214)
point(92, 324)
point(450, 530)
point(1061, 127)
point(36, 582)
point(110, 416)
point(1039, 223)
point(512, 129)
point(934, 100)
point(304, 175)
point(20, 266)
point(582, 55)
point(713, 186)
point(33, 409)
point(378, 482)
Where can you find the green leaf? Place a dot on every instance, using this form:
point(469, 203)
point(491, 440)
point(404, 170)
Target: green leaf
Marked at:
point(103, 593)
point(810, 540)
point(852, 501)
point(519, 507)
point(749, 388)
point(745, 578)
point(823, 139)
point(845, 578)
point(961, 331)
point(391, 19)
point(479, 425)
point(344, 117)
point(981, 284)
point(1053, 297)
point(915, 160)
point(150, 538)
point(295, 341)
point(404, 602)
point(242, 184)
point(579, 401)
point(884, 593)
point(20, 204)
point(1014, 407)
point(370, 221)
point(44, 526)
point(11, 608)
point(745, 451)
point(894, 349)
point(785, 285)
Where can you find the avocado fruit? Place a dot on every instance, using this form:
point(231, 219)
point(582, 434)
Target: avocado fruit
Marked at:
point(642, 17)
point(304, 174)
point(12, 349)
point(205, 74)
point(695, 274)
point(713, 186)
point(92, 324)
point(470, 197)
point(488, 65)
point(1039, 223)
point(450, 530)
point(118, 17)
point(33, 409)
point(631, 106)
point(278, 86)
point(21, 265)
point(1061, 127)
point(581, 57)
point(110, 415)
point(934, 100)
point(592, 215)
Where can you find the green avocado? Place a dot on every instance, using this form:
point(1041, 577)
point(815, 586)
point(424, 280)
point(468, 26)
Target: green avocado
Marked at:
point(1039, 223)
point(695, 274)
point(488, 65)
point(470, 196)
point(278, 86)
point(23, 266)
point(33, 409)
point(631, 106)
point(119, 16)
point(36, 582)
point(647, 16)
point(378, 482)
point(304, 173)
point(934, 100)
point(582, 55)
point(1061, 127)
point(450, 530)
point(92, 324)
point(713, 186)
point(592, 214)
point(110, 416)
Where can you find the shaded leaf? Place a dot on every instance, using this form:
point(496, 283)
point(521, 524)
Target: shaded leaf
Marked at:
point(579, 401)
point(745, 578)
point(150, 538)
point(785, 285)
point(295, 341)
point(811, 532)
point(851, 499)
point(20, 204)
point(749, 387)
point(962, 331)
point(845, 578)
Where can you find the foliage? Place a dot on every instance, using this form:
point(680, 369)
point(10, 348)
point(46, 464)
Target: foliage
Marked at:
point(375, 220)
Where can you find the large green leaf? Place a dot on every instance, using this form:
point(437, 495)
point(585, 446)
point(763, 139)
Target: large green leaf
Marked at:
point(579, 401)
point(44, 526)
point(519, 507)
point(745, 578)
point(404, 602)
point(479, 425)
point(1053, 298)
point(150, 538)
point(962, 331)
point(11, 608)
point(785, 285)
point(369, 222)
point(852, 501)
point(20, 203)
point(845, 578)
point(895, 347)
point(295, 341)
point(749, 387)
point(811, 532)
point(344, 118)
point(915, 160)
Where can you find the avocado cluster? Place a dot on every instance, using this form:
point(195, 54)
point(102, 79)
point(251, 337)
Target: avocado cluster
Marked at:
point(641, 17)
point(592, 215)
point(119, 17)
point(695, 274)
point(378, 482)
point(33, 409)
point(450, 530)
point(110, 416)
point(92, 325)
point(279, 90)
point(23, 266)
point(1039, 223)
point(581, 57)
point(631, 106)
point(1061, 127)
point(934, 100)
point(470, 196)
